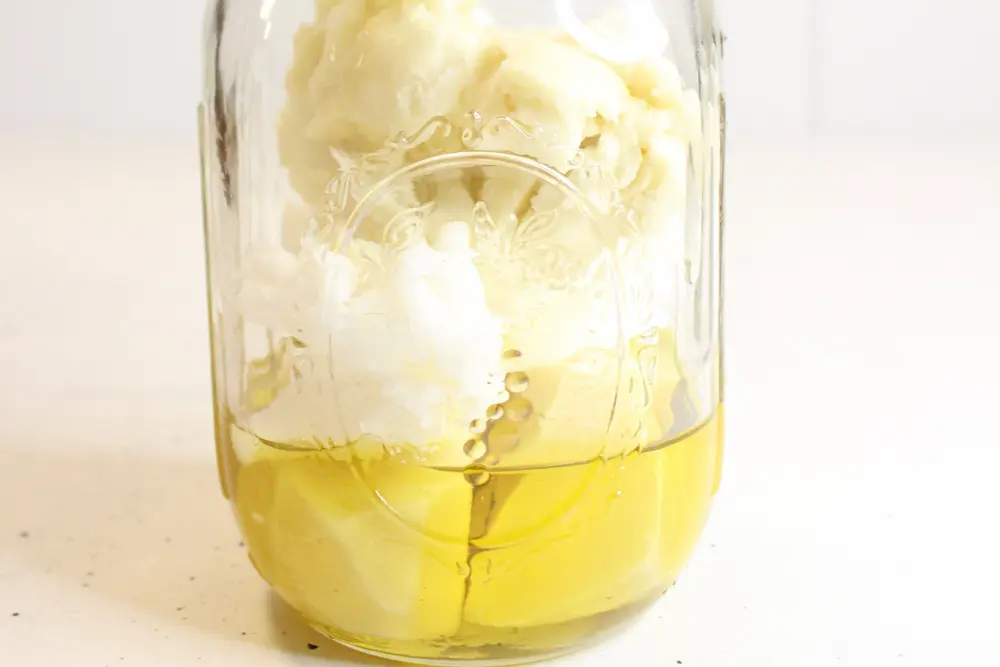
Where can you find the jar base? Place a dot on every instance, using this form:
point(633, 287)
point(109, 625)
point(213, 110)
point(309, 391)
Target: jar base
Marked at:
point(531, 645)
point(455, 662)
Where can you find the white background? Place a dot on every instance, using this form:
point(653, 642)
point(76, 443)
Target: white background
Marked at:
point(793, 66)
point(857, 523)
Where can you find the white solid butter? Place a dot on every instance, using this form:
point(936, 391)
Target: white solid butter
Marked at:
point(405, 346)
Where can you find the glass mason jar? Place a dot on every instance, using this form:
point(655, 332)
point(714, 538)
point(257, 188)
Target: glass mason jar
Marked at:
point(465, 280)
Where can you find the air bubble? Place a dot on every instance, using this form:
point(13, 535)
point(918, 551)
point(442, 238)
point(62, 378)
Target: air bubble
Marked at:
point(475, 449)
point(511, 355)
point(517, 383)
point(478, 426)
point(504, 437)
point(519, 409)
point(472, 136)
point(477, 476)
point(495, 413)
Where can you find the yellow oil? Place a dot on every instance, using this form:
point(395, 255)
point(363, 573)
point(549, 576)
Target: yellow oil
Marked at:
point(485, 564)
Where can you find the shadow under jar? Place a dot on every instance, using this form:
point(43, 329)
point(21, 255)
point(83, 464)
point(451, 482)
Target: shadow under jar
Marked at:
point(465, 279)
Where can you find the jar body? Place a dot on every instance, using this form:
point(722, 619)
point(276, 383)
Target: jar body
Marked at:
point(465, 291)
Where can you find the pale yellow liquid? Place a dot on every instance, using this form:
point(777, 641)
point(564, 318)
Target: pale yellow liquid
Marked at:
point(496, 566)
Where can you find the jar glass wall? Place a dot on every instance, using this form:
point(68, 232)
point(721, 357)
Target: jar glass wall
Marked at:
point(465, 279)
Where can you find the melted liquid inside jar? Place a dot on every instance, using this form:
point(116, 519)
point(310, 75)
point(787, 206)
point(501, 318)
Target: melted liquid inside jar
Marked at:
point(486, 562)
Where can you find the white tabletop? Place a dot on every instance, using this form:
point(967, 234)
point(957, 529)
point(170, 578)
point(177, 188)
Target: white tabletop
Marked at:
point(857, 523)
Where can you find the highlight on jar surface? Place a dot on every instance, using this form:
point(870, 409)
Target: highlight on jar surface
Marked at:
point(465, 288)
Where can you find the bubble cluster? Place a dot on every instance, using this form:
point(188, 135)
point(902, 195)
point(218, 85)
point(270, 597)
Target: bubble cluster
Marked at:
point(500, 432)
